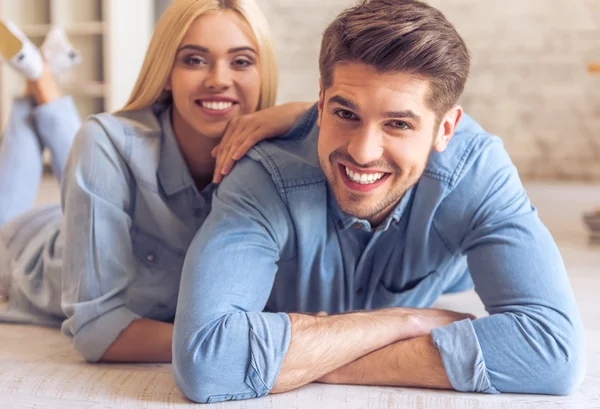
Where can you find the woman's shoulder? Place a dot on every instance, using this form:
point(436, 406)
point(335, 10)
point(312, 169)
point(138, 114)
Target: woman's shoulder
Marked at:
point(143, 123)
point(130, 135)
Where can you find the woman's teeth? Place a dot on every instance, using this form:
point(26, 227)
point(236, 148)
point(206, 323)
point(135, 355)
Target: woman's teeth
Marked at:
point(363, 178)
point(217, 106)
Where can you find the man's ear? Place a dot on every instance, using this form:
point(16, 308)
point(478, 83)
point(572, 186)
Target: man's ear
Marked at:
point(321, 102)
point(447, 128)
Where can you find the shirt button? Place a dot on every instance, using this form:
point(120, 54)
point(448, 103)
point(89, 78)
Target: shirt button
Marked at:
point(357, 225)
point(360, 291)
point(150, 257)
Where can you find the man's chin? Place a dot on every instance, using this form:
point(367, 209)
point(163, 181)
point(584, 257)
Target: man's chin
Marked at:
point(360, 211)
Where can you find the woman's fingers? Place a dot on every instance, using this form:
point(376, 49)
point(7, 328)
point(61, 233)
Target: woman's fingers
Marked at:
point(223, 148)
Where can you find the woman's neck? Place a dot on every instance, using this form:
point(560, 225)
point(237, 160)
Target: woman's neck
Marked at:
point(195, 148)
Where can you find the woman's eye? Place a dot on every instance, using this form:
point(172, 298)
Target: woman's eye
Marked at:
point(399, 125)
point(345, 114)
point(242, 63)
point(194, 60)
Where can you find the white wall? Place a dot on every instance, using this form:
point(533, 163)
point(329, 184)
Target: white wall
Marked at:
point(529, 82)
point(127, 37)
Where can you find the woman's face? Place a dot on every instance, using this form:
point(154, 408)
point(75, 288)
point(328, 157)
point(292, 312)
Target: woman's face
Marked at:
point(216, 74)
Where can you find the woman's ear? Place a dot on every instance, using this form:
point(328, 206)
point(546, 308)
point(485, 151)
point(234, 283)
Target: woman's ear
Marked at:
point(168, 86)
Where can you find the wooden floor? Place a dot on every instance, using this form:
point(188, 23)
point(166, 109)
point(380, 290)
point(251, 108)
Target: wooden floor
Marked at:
point(39, 369)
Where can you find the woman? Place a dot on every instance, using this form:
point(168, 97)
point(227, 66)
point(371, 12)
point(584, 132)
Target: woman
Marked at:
point(137, 185)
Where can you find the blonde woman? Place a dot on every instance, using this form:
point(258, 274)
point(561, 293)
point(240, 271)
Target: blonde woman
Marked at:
point(137, 184)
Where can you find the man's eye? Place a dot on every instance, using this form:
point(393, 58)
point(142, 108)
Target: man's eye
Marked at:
point(399, 125)
point(344, 114)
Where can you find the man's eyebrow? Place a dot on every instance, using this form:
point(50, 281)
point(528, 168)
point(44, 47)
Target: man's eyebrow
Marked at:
point(403, 114)
point(336, 99)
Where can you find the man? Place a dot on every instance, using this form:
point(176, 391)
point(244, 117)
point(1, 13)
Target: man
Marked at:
point(379, 200)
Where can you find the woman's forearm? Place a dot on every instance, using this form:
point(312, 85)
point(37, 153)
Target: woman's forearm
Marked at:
point(144, 340)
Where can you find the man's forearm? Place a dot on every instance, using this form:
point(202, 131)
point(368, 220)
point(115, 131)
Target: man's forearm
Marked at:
point(414, 362)
point(320, 345)
point(144, 340)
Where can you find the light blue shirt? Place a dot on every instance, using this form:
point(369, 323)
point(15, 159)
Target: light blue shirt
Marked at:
point(130, 211)
point(276, 242)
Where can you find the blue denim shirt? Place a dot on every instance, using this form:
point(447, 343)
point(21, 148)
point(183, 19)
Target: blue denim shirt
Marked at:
point(130, 211)
point(276, 242)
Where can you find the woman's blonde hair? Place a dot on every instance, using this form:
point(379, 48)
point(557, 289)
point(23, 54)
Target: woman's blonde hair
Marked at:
point(168, 34)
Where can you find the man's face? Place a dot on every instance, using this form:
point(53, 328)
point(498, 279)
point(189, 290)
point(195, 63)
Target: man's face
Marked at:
point(376, 136)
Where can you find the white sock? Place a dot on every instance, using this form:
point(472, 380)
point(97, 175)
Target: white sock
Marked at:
point(59, 52)
point(20, 53)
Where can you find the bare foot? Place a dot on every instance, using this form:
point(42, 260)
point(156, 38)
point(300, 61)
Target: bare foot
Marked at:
point(44, 89)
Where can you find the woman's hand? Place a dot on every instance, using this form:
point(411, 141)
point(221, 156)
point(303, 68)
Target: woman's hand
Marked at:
point(245, 131)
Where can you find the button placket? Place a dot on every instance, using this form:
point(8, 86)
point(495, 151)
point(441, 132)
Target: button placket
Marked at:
point(364, 270)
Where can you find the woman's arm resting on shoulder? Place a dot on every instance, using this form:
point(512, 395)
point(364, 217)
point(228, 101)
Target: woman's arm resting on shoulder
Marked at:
point(245, 131)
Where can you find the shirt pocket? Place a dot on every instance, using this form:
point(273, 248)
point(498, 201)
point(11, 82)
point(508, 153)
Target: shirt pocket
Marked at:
point(155, 253)
point(155, 284)
point(419, 293)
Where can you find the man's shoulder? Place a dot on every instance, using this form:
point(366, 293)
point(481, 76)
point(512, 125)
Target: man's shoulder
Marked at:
point(473, 180)
point(292, 161)
point(470, 144)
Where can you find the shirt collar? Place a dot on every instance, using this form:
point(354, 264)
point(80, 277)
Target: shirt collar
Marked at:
point(172, 170)
point(344, 220)
point(399, 210)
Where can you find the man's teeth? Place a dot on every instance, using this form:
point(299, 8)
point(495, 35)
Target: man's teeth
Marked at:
point(363, 178)
point(217, 106)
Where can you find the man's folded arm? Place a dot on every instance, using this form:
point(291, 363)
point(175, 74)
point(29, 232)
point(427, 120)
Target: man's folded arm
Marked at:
point(224, 347)
point(533, 339)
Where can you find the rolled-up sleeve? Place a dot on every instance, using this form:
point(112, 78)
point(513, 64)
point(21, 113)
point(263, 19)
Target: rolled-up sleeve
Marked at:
point(224, 347)
point(98, 258)
point(533, 339)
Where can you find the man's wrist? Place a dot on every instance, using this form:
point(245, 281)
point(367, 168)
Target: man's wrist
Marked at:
point(405, 321)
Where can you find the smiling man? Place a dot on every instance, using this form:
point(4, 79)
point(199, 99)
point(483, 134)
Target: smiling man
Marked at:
point(383, 197)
